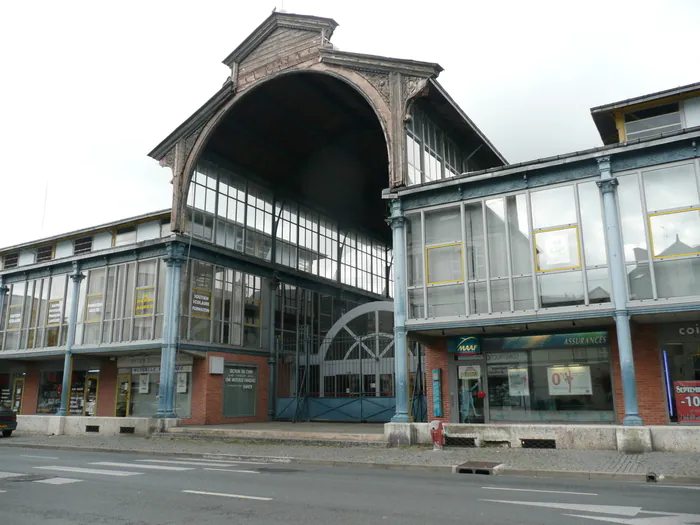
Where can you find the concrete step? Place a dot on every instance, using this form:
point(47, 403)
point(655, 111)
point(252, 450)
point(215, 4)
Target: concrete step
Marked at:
point(278, 436)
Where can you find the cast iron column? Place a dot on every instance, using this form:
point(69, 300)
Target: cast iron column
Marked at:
point(76, 277)
point(171, 324)
point(618, 273)
point(3, 290)
point(396, 220)
point(272, 359)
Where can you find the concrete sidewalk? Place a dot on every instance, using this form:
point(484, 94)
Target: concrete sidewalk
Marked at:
point(674, 466)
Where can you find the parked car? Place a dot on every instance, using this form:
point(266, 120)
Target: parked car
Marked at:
point(8, 421)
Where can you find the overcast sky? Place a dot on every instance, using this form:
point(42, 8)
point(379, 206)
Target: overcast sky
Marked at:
point(89, 88)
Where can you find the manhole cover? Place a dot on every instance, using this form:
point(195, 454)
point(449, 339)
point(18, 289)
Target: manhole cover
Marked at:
point(27, 477)
point(478, 467)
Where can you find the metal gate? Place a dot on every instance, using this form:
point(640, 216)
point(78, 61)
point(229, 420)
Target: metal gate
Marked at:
point(347, 374)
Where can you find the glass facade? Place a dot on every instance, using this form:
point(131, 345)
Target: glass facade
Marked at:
point(431, 153)
point(660, 217)
point(527, 251)
point(231, 211)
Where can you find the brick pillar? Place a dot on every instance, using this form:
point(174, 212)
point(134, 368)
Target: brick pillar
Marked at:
point(200, 387)
point(31, 389)
point(107, 389)
point(647, 366)
point(436, 358)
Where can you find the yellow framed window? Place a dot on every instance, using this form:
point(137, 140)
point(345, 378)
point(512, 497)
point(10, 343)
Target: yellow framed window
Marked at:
point(557, 249)
point(444, 263)
point(675, 233)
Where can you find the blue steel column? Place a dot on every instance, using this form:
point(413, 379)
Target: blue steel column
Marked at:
point(76, 277)
point(171, 324)
point(396, 220)
point(618, 273)
point(3, 290)
point(272, 359)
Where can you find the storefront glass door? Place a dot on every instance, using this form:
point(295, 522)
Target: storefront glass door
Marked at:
point(17, 395)
point(123, 396)
point(471, 393)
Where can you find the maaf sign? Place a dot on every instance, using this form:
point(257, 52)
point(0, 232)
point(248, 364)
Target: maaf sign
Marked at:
point(464, 346)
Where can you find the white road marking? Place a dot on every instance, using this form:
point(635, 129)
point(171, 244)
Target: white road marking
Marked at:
point(133, 465)
point(605, 509)
point(91, 471)
point(58, 481)
point(239, 496)
point(542, 491)
point(192, 463)
point(233, 470)
point(676, 487)
point(206, 460)
point(37, 457)
point(2, 491)
point(9, 475)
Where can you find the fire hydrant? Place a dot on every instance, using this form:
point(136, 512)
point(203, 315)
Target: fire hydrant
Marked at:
point(436, 435)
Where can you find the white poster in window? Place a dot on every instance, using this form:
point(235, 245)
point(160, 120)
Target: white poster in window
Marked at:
point(556, 247)
point(569, 381)
point(144, 383)
point(518, 384)
point(182, 383)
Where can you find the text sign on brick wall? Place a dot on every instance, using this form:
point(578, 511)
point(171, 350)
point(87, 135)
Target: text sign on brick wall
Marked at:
point(240, 390)
point(687, 394)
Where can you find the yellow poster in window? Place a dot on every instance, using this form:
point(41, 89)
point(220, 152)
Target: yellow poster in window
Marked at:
point(144, 301)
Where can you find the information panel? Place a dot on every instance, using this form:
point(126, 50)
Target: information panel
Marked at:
point(687, 394)
point(240, 390)
point(569, 381)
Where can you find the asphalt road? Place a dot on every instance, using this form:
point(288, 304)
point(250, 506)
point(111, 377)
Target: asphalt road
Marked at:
point(52, 487)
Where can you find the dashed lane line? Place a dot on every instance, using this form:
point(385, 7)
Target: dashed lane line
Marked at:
point(58, 481)
point(232, 470)
point(219, 494)
point(90, 471)
point(134, 465)
point(542, 491)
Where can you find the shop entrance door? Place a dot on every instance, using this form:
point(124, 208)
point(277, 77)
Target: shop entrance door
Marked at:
point(90, 404)
point(123, 396)
point(17, 395)
point(471, 387)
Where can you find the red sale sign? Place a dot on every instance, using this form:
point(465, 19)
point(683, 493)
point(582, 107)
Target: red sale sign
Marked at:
point(687, 394)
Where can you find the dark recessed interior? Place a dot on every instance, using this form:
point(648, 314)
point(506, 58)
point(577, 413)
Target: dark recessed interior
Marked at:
point(316, 139)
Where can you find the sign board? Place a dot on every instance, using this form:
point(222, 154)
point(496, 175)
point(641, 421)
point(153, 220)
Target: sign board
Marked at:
point(54, 317)
point(437, 394)
point(240, 390)
point(144, 301)
point(464, 346)
point(506, 357)
point(518, 384)
point(569, 380)
point(181, 383)
point(151, 360)
point(144, 383)
point(530, 342)
point(687, 394)
point(555, 247)
point(14, 318)
point(94, 305)
point(156, 369)
point(201, 303)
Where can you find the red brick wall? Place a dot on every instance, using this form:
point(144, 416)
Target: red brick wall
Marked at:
point(207, 391)
point(107, 389)
point(647, 368)
point(31, 389)
point(436, 358)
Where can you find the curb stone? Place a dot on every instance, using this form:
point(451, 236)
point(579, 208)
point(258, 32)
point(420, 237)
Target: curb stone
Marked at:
point(506, 471)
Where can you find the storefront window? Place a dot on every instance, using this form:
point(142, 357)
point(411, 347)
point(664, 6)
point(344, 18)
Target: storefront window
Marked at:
point(550, 384)
point(138, 389)
point(681, 363)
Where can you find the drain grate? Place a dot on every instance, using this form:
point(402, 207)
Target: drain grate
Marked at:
point(460, 441)
point(127, 430)
point(490, 443)
point(484, 468)
point(538, 443)
point(92, 428)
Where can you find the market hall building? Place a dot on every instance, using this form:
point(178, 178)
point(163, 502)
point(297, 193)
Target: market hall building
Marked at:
point(266, 291)
point(566, 289)
point(345, 244)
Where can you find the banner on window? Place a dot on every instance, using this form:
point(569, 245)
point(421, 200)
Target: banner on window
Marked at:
point(518, 384)
point(569, 381)
point(14, 318)
point(201, 303)
point(94, 305)
point(687, 394)
point(144, 301)
point(54, 316)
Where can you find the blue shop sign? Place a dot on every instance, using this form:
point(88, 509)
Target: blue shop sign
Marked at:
point(464, 346)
